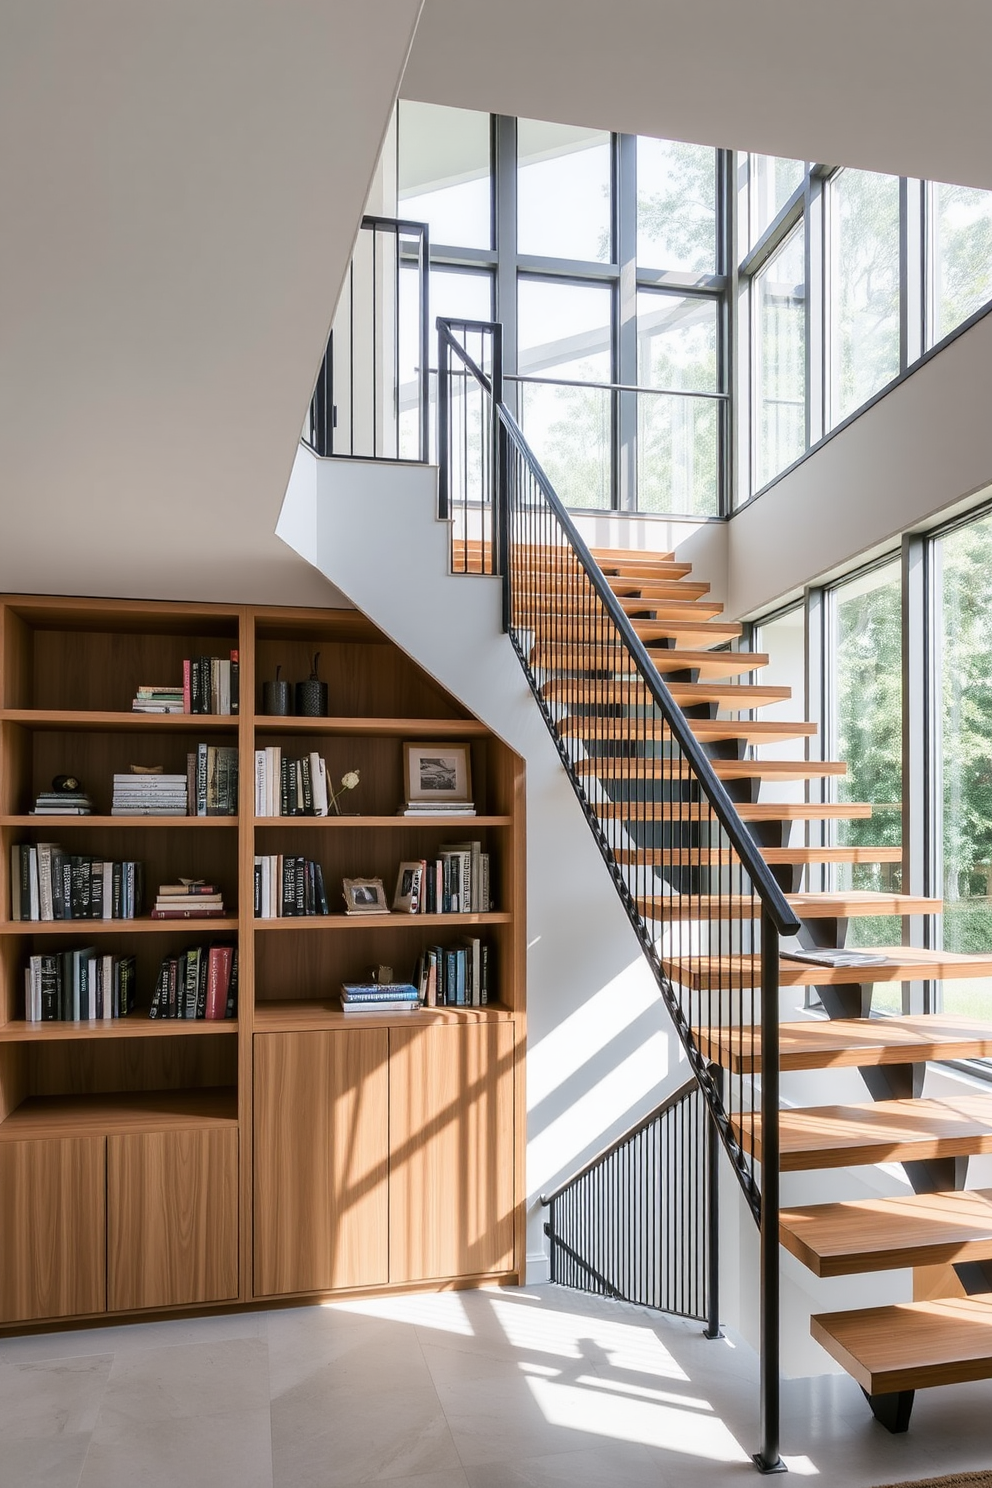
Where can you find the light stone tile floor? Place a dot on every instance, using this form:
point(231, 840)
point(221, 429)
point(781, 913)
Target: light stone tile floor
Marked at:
point(529, 1388)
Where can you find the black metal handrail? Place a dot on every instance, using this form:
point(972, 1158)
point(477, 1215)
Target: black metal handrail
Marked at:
point(363, 407)
point(688, 872)
point(638, 1221)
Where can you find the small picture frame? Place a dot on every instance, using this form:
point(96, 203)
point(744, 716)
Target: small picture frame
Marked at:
point(364, 896)
point(409, 887)
point(437, 772)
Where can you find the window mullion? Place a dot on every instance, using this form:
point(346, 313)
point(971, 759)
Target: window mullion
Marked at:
point(505, 178)
point(625, 312)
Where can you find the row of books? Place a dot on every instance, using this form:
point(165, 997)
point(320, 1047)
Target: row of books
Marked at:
point(201, 982)
point(290, 787)
point(455, 976)
point(78, 984)
point(210, 685)
point(49, 884)
point(208, 788)
point(457, 881)
point(290, 886)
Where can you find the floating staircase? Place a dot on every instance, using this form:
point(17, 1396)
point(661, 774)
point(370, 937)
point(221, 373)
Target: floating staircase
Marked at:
point(589, 688)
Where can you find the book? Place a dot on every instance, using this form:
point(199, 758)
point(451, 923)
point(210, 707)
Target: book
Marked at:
point(371, 992)
point(837, 956)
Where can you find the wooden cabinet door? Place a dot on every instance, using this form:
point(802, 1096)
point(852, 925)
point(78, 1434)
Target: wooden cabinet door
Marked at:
point(451, 1151)
point(321, 1122)
point(53, 1228)
point(172, 1218)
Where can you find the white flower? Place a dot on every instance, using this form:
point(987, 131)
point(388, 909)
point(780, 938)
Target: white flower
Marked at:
point(349, 781)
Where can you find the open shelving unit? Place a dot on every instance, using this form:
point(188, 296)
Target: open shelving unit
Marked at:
point(191, 1144)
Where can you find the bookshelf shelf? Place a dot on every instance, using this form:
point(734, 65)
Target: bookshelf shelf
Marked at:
point(72, 823)
point(336, 922)
point(123, 1111)
point(306, 1016)
point(81, 929)
point(399, 728)
point(339, 823)
point(137, 1025)
point(70, 721)
point(109, 1126)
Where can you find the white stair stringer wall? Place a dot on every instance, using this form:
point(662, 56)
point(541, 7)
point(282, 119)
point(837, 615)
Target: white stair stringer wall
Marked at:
point(601, 1050)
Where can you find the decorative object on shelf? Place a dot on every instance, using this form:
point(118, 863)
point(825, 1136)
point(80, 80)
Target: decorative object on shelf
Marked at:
point(349, 780)
point(381, 975)
point(364, 896)
point(438, 779)
point(276, 697)
point(409, 884)
point(311, 695)
point(66, 784)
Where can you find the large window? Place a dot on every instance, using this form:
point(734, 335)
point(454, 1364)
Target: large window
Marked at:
point(865, 690)
point(864, 285)
point(600, 254)
point(961, 253)
point(779, 368)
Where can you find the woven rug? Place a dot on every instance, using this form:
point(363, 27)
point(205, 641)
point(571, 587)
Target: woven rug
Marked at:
point(959, 1480)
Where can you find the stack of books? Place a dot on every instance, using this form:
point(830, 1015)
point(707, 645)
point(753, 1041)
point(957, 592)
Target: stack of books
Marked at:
point(379, 997)
point(437, 808)
point(201, 982)
point(212, 780)
point(149, 795)
point(153, 699)
point(78, 984)
point(290, 787)
point(48, 884)
point(62, 803)
point(455, 976)
point(189, 900)
point(211, 684)
point(287, 885)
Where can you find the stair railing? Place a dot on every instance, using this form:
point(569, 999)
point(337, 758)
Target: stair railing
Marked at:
point(687, 871)
point(638, 1221)
point(372, 396)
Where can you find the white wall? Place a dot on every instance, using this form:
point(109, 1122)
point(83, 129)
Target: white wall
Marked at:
point(895, 85)
point(922, 448)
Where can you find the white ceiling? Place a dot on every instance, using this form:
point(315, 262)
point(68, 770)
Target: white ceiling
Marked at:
point(890, 85)
point(180, 184)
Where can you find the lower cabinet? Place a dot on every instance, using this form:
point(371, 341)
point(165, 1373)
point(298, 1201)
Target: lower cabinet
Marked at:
point(383, 1155)
point(172, 1218)
point(53, 1228)
point(115, 1223)
point(321, 1126)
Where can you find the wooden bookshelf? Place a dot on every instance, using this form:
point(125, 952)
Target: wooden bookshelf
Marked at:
point(114, 1131)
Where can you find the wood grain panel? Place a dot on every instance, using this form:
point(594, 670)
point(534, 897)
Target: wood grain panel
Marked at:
point(172, 1218)
point(451, 1188)
point(52, 1228)
point(928, 1231)
point(886, 1131)
point(913, 1345)
point(320, 1133)
point(69, 1067)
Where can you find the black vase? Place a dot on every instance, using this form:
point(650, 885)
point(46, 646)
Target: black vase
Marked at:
point(275, 698)
point(311, 699)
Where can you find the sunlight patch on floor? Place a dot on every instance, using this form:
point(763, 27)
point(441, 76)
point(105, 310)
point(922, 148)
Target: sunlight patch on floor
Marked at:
point(443, 1311)
point(650, 1424)
point(594, 1339)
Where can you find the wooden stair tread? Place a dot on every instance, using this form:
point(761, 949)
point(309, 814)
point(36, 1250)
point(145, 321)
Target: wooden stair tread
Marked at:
point(707, 730)
point(703, 856)
point(748, 811)
point(614, 766)
point(881, 1131)
point(529, 601)
point(578, 658)
point(657, 588)
point(602, 632)
point(912, 1345)
point(589, 692)
point(860, 1235)
point(819, 1043)
point(849, 905)
point(903, 964)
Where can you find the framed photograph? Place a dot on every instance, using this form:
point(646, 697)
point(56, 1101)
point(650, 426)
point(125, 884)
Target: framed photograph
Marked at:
point(437, 772)
point(409, 884)
point(364, 896)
